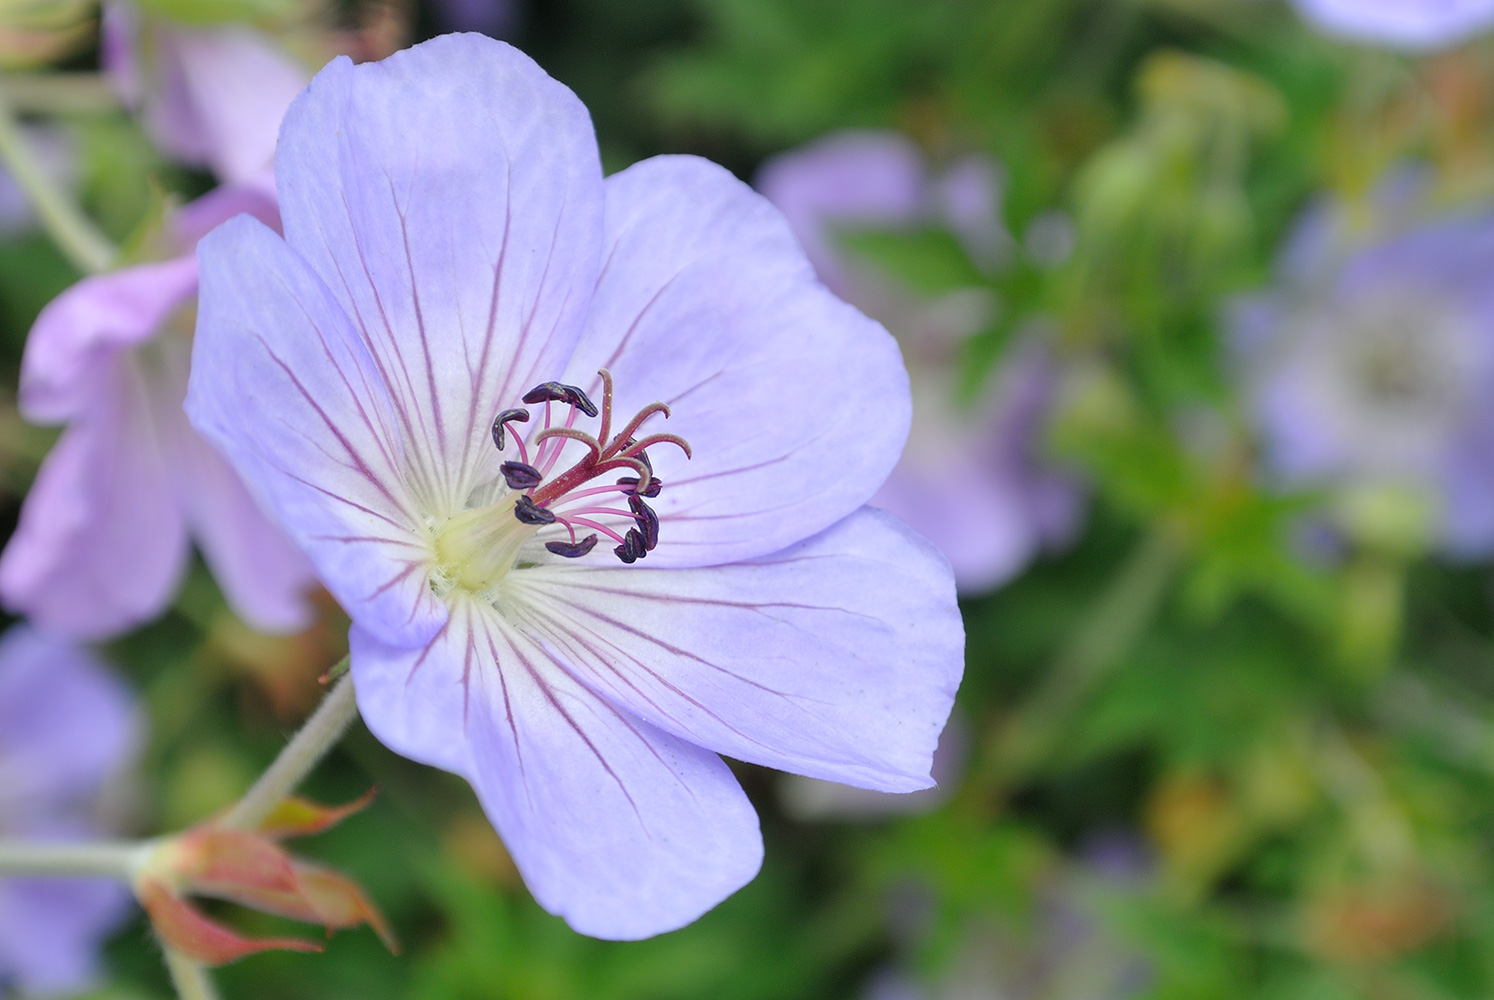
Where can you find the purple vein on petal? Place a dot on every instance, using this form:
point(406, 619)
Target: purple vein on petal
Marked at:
point(656, 641)
point(508, 711)
point(360, 464)
point(550, 697)
point(559, 636)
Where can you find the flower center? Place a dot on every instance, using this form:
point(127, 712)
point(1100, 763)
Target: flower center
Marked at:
point(478, 547)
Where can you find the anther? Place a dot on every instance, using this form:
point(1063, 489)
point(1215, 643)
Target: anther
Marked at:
point(560, 393)
point(528, 512)
point(648, 521)
point(573, 550)
point(632, 549)
point(520, 476)
point(517, 413)
point(630, 486)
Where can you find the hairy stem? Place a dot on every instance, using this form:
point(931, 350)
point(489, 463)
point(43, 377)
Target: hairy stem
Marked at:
point(190, 978)
point(75, 234)
point(106, 859)
point(320, 733)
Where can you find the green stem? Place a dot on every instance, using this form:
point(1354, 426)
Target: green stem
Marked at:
point(190, 978)
point(1107, 633)
point(88, 249)
point(107, 859)
point(320, 733)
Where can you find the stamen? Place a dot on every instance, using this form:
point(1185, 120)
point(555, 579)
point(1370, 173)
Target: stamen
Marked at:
point(595, 526)
point(520, 475)
point(648, 521)
point(516, 414)
point(529, 513)
point(633, 548)
point(573, 550)
point(629, 484)
point(560, 393)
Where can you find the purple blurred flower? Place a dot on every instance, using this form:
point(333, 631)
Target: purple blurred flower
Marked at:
point(969, 480)
point(102, 539)
point(498, 18)
point(1069, 948)
point(1373, 365)
point(209, 97)
point(66, 727)
point(450, 244)
point(1412, 24)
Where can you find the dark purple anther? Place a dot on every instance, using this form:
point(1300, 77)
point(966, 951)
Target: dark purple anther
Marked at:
point(632, 549)
point(655, 484)
point(648, 521)
point(517, 413)
point(520, 476)
point(573, 550)
point(556, 391)
point(529, 513)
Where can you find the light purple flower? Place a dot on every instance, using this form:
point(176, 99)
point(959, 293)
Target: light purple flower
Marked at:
point(1372, 365)
point(1412, 24)
point(969, 480)
point(66, 728)
point(450, 245)
point(210, 97)
point(103, 536)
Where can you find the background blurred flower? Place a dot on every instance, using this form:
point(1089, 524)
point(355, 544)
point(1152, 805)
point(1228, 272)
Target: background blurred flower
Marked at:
point(1068, 948)
point(970, 479)
point(1372, 367)
point(66, 728)
point(102, 539)
point(1415, 24)
point(450, 243)
point(208, 96)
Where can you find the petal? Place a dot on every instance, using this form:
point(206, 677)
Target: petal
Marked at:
point(81, 331)
point(837, 658)
point(283, 387)
point(450, 196)
point(101, 543)
point(66, 723)
point(796, 405)
point(623, 830)
point(263, 575)
point(220, 98)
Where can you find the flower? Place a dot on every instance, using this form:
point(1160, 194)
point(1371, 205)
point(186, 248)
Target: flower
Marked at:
point(209, 96)
point(970, 479)
point(1371, 364)
point(456, 274)
point(66, 727)
point(1413, 24)
point(102, 539)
